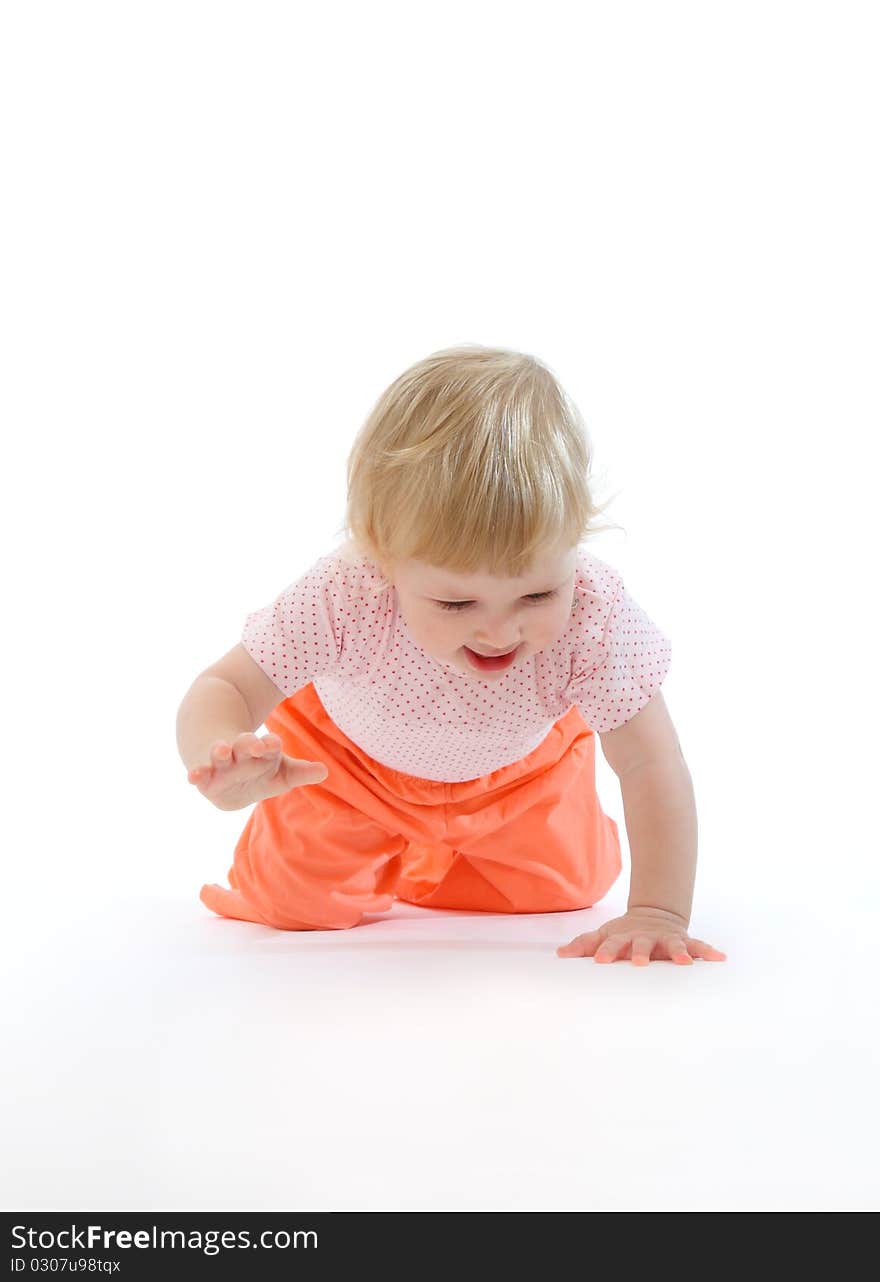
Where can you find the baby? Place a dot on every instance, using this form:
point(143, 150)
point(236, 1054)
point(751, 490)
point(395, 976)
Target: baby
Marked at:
point(434, 687)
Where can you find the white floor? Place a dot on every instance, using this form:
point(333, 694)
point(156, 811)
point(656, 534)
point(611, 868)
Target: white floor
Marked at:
point(162, 1058)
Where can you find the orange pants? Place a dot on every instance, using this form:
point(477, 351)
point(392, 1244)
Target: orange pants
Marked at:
point(528, 838)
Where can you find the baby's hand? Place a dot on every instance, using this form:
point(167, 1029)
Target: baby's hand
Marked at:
point(251, 769)
point(641, 934)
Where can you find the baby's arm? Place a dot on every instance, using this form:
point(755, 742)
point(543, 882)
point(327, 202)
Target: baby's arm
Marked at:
point(231, 697)
point(215, 739)
point(661, 824)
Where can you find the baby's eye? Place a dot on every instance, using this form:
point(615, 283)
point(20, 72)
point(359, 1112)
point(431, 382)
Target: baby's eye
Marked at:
point(461, 605)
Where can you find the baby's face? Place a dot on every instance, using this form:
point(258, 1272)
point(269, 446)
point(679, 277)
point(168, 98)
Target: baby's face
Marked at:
point(449, 614)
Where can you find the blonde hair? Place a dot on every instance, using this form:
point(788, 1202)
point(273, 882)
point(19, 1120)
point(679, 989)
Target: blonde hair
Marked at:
point(474, 459)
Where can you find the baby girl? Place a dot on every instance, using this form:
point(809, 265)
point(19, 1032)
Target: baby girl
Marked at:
point(434, 687)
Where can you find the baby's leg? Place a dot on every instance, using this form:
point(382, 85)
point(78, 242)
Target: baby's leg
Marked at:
point(307, 860)
point(229, 903)
point(531, 838)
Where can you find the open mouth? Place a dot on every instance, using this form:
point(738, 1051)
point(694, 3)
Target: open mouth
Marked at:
point(491, 662)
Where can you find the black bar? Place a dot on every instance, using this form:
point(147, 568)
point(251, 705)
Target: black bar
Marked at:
point(312, 1244)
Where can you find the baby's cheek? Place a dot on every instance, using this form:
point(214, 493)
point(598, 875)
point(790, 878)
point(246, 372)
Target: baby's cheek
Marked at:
point(432, 636)
point(555, 631)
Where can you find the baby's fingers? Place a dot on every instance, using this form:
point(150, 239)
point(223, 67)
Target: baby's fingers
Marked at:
point(677, 950)
point(611, 948)
point(220, 755)
point(245, 747)
point(698, 948)
point(642, 948)
point(249, 747)
point(582, 946)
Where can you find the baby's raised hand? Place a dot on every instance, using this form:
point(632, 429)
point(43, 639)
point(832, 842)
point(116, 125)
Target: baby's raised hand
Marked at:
point(251, 769)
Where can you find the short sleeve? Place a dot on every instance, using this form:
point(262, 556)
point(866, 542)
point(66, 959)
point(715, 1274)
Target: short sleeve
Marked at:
point(299, 635)
point(610, 686)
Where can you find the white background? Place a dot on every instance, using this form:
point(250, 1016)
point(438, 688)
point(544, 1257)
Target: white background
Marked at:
point(226, 228)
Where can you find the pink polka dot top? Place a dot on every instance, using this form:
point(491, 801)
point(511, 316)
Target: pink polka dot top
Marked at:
point(339, 626)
